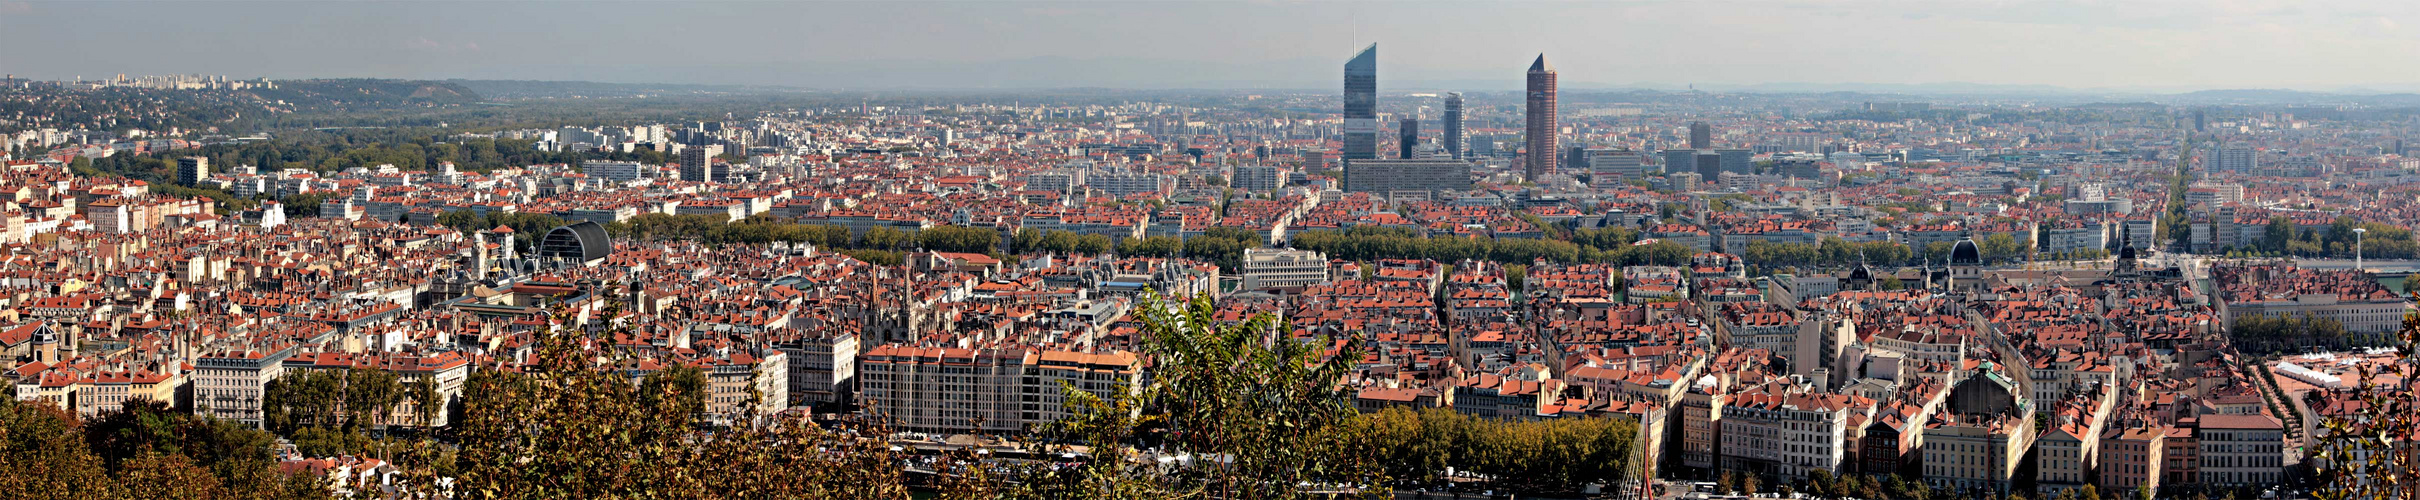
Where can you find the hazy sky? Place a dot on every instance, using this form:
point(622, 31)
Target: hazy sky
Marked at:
point(2130, 44)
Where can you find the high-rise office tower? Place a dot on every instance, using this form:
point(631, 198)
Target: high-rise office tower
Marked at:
point(694, 160)
point(1542, 151)
point(2236, 159)
point(1709, 166)
point(1737, 161)
point(1701, 135)
point(1410, 137)
point(1453, 125)
point(1361, 105)
point(192, 170)
point(1680, 160)
point(1611, 167)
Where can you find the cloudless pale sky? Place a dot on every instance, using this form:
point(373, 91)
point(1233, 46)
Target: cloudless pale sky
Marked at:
point(2120, 44)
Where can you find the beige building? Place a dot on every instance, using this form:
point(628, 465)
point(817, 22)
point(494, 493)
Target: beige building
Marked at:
point(2132, 458)
point(939, 389)
point(823, 368)
point(1701, 420)
point(230, 385)
point(1978, 443)
point(2353, 298)
point(2240, 450)
point(111, 216)
point(1283, 268)
point(1788, 434)
point(2069, 449)
point(90, 393)
point(742, 376)
point(445, 370)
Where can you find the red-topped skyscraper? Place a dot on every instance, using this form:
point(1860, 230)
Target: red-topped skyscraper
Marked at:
point(1539, 158)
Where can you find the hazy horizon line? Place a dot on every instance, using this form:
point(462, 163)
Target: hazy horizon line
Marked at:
point(1432, 84)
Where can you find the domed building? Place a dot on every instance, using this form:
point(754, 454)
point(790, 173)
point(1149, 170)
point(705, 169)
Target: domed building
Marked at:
point(582, 243)
point(1965, 266)
point(1860, 278)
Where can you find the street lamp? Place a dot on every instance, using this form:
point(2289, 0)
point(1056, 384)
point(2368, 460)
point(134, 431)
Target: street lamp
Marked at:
point(2357, 232)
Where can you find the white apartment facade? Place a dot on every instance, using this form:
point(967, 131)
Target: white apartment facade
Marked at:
point(1282, 268)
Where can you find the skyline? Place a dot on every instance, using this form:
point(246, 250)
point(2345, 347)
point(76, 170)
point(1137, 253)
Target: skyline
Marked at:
point(1143, 249)
point(2128, 47)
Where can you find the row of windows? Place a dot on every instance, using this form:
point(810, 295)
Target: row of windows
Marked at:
point(2242, 461)
point(2241, 448)
point(2239, 477)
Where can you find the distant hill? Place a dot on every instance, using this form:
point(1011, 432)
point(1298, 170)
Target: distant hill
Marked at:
point(539, 89)
point(2283, 96)
point(301, 102)
point(357, 93)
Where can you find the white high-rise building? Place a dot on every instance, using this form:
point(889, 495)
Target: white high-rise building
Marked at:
point(1126, 183)
point(617, 171)
point(192, 170)
point(1259, 178)
point(1612, 168)
point(2235, 159)
point(1846, 161)
point(272, 215)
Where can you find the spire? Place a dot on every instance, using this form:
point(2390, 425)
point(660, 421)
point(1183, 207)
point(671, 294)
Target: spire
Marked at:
point(1541, 66)
point(1364, 61)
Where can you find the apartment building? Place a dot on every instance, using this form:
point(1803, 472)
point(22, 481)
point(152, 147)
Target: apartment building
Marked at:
point(2241, 450)
point(447, 370)
point(1979, 443)
point(1388, 176)
point(1760, 325)
point(2184, 457)
point(1781, 432)
point(1258, 178)
point(2074, 236)
point(1126, 183)
point(2132, 458)
point(741, 383)
point(229, 385)
point(2350, 297)
point(1283, 268)
point(1501, 397)
point(1701, 425)
point(94, 391)
point(822, 367)
point(943, 389)
point(617, 171)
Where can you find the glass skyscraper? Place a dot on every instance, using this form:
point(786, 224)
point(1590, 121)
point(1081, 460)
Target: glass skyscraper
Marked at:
point(1453, 125)
point(1361, 105)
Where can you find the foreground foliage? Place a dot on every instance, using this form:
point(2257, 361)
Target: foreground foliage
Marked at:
point(1551, 456)
point(2368, 453)
point(144, 451)
point(574, 425)
point(1232, 410)
point(1240, 409)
